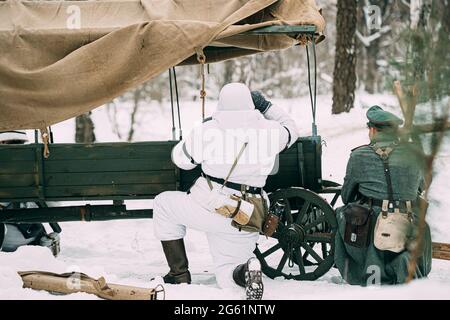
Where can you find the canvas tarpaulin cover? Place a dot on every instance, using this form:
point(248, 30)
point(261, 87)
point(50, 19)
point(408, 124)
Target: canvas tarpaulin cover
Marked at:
point(60, 59)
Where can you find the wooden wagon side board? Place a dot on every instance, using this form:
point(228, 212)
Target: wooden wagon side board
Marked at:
point(124, 171)
point(103, 171)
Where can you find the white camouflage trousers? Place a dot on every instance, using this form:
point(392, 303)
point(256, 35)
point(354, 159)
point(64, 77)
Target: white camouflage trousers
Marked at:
point(174, 211)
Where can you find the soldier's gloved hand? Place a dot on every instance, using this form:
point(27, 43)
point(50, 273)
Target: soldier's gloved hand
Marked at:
point(260, 102)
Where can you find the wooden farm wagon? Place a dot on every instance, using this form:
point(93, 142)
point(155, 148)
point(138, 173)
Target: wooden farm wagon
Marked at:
point(51, 71)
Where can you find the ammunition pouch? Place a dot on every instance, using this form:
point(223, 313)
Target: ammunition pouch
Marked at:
point(357, 225)
point(270, 224)
point(247, 211)
point(258, 217)
point(235, 207)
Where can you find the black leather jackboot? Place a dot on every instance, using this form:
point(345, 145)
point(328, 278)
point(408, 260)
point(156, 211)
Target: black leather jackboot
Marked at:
point(175, 253)
point(249, 276)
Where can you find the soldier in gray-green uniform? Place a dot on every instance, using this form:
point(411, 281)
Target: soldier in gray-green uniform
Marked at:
point(365, 183)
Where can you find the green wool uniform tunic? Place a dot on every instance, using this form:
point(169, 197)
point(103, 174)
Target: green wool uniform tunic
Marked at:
point(365, 177)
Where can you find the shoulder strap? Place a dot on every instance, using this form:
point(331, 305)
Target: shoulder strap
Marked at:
point(364, 145)
point(235, 163)
point(383, 153)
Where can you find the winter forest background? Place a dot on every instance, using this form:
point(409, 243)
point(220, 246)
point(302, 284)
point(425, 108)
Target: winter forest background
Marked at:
point(379, 41)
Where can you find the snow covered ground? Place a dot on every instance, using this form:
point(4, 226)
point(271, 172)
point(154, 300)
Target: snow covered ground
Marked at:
point(126, 252)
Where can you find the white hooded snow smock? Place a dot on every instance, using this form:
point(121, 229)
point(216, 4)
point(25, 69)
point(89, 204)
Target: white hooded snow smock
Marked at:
point(214, 146)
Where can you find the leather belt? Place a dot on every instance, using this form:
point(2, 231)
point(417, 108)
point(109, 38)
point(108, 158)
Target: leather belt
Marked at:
point(235, 186)
point(397, 204)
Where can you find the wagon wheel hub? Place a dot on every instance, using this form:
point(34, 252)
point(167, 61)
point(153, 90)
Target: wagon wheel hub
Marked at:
point(292, 237)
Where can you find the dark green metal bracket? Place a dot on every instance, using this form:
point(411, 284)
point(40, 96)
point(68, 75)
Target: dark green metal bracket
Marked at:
point(73, 213)
point(289, 30)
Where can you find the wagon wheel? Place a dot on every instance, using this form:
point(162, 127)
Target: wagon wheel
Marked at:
point(331, 188)
point(305, 235)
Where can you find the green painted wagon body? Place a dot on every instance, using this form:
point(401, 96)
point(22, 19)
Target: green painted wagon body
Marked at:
point(125, 171)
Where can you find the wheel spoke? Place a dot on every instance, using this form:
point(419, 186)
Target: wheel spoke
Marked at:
point(303, 211)
point(335, 199)
point(312, 252)
point(301, 265)
point(287, 211)
point(283, 261)
point(324, 250)
point(305, 255)
point(318, 237)
point(271, 250)
point(319, 220)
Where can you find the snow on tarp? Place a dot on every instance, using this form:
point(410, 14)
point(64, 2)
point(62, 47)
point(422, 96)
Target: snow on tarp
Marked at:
point(61, 59)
